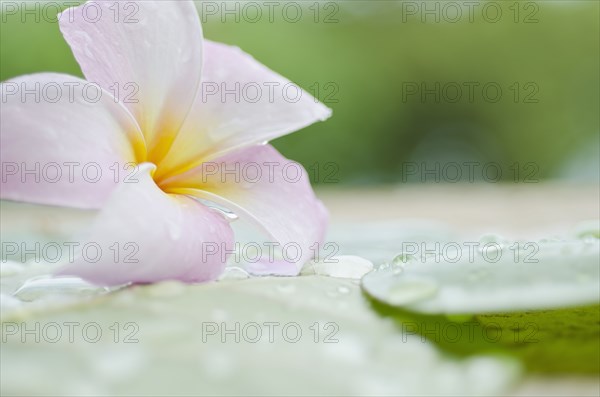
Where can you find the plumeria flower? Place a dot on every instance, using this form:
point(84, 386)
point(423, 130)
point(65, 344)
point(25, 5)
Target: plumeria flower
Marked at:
point(175, 140)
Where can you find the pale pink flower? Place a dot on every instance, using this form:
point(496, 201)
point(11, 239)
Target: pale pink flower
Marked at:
point(156, 110)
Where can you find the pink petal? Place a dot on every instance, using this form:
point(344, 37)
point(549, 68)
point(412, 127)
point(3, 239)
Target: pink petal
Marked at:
point(267, 106)
point(147, 53)
point(157, 237)
point(280, 201)
point(69, 134)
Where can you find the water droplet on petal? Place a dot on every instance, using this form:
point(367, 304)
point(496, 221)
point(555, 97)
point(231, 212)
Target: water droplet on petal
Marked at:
point(42, 286)
point(490, 243)
point(228, 215)
point(338, 291)
point(343, 289)
point(234, 273)
point(411, 291)
point(491, 238)
point(403, 259)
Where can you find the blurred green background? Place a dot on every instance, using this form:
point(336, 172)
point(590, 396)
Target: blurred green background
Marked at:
point(361, 57)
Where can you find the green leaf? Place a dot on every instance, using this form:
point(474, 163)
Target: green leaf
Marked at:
point(181, 345)
point(544, 313)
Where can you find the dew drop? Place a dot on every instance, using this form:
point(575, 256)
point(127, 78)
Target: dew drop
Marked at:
point(402, 259)
point(492, 238)
point(341, 266)
point(339, 291)
point(411, 291)
point(228, 215)
point(42, 286)
point(343, 290)
point(490, 243)
point(234, 273)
